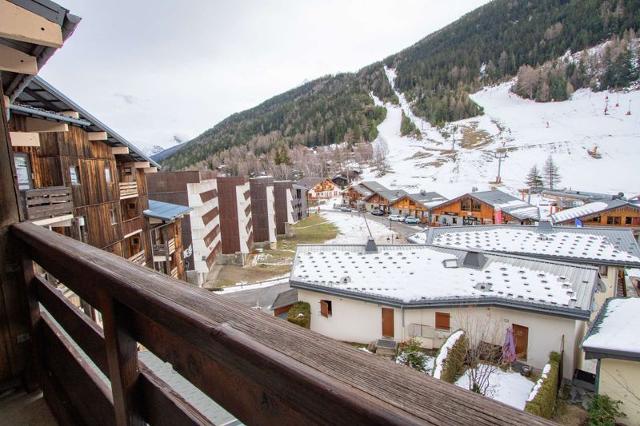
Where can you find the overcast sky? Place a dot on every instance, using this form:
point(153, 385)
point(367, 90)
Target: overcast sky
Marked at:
point(158, 70)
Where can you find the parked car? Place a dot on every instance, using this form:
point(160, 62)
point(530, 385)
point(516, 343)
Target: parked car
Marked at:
point(345, 209)
point(396, 218)
point(377, 212)
point(411, 220)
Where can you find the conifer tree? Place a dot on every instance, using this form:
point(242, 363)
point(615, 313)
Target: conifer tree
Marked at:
point(534, 179)
point(551, 173)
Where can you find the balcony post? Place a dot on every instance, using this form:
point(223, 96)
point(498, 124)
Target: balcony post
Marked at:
point(122, 358)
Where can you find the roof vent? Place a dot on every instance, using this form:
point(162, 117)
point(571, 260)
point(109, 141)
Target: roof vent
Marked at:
point(371, 246)
point(545, 226)
point(346, 279)
point(483, 286)
point(474, 259)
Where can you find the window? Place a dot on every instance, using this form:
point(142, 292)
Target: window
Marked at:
point(628, 220)
point(443, 321)
point(613, 220)
point(23, 170)
point(470, 205)
point(325, 308)
point(603, 270)
point(595, 219)
point(74, 172)
point(107, 175)
point(114, 216)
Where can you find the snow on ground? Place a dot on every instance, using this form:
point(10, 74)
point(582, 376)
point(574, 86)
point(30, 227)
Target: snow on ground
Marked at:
point(530, 132)
point(508, 387)
point(444, 352)
point(353, 229)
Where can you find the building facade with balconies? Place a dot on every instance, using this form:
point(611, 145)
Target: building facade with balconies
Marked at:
point(263, 207)
point(236, 226)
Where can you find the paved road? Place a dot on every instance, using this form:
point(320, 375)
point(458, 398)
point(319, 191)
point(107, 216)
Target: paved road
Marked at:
point(262, 297)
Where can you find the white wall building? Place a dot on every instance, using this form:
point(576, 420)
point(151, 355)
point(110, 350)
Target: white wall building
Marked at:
point(360, 294)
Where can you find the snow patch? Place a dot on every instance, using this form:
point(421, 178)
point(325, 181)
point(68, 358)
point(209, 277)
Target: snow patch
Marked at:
point(444, 352)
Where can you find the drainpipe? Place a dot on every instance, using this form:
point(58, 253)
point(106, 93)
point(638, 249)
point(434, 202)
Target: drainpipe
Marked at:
point(402, 311)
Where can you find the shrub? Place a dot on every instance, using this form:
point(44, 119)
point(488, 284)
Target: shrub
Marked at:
point(543, 397)
point(454, 352)
point(412, 355)
point(603, 411)
point(300, 314)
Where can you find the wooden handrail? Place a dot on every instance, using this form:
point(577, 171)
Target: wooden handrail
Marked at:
point(261, 369)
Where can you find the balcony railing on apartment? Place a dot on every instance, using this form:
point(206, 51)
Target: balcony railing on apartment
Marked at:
point(45, 203)
point(128, 190)
point(139, 258)
point(174, 272)
point(261, 369)
point(164, 249)
point(131, 226)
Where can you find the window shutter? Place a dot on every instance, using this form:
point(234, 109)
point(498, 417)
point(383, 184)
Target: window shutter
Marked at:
point(442, 321)
point(324, 309)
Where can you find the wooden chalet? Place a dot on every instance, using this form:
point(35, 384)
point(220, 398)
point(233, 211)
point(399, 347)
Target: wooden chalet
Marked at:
point(417, 205)
point(383, 200)
point(355, 195)
point(154, 329)
point(482, 208)
point(319, 188)
point(610, 213)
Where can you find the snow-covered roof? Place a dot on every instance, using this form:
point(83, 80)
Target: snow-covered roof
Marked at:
point(374, 186)
point(591, 245)
point(392, 195)
point(633, 272)
point(362, 190)
point(501, 200)
point(577, 195)
point(588, 209)
point(415, 276)
point(613, 333)
point(428, 199)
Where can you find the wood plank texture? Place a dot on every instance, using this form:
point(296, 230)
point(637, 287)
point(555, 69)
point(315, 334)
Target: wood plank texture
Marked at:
point(261, 369)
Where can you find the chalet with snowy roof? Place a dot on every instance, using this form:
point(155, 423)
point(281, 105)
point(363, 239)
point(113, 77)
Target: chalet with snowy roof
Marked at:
point(319, 188)
point(611, 250)
point(356, 195)
point(482, 208)
point(615, 212)
point(418, 205)
point(615, 343)
point(344, 178)
point(566, 198)
point(360, 293)
point(383, 200)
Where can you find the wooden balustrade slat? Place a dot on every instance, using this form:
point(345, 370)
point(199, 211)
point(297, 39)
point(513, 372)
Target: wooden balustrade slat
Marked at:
point(291, 374)
point(122, 358)
point(84, 390)
point(160, 405)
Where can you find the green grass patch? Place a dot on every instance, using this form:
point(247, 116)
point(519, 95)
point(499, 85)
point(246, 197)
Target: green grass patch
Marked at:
point(300, 314)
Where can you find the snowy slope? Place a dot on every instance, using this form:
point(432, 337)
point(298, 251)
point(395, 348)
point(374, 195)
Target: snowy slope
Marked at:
point(520, 126)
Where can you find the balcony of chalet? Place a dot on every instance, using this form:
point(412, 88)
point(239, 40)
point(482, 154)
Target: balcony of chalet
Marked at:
point(128, 190)
point(168, 354)
point(51, 206)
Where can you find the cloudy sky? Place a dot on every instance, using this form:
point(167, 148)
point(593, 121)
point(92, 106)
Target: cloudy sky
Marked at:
point(161, 70)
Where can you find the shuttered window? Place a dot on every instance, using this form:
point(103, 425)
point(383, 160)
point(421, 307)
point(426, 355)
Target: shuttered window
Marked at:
point(443, 321)
point(325, 308)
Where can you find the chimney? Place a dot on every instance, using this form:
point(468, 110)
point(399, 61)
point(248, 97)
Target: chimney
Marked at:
point(371, 246)
point(474, 259)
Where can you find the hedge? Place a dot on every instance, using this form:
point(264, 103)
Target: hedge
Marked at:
point(453, 364)
point(300, 314)
point(543, 397)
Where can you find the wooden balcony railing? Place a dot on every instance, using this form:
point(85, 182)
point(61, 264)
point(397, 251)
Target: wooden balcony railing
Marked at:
point(163, 249)
point(48, 202)
point(132, 226)
point(259, 368)
point(139, 258)
point(174, 272)
point(128, 190)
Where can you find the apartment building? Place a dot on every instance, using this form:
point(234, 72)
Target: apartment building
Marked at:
point(236, 227)
point(165, 230)
point(201, 236)
point(290, 204)
point(77, 176)
point(263, 210)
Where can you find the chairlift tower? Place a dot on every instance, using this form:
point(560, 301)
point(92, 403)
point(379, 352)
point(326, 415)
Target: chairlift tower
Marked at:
point(500, 154)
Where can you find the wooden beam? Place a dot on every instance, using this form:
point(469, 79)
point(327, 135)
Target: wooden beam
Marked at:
point(138, 165)
point(24, 139)
point(44, 126)
point(19, 24)
point(72, 114)
point(119, 150)
point(13, 60)
point(150, 170)
point(97, 136)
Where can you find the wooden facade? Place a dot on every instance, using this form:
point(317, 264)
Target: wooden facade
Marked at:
point(469, 210)
point(408, 206)
point(626, 216)
point(93, 174)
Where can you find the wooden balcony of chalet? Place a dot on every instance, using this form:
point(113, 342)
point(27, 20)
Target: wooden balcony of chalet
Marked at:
point(47, 205)
point(132, 226)
point(261, 369)
point(164, 249)
point(128, 190)
point(139, 258)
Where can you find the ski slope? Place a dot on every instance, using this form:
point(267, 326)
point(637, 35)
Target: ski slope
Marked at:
point(530, 132)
